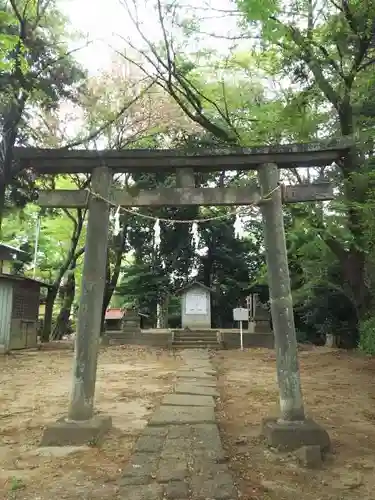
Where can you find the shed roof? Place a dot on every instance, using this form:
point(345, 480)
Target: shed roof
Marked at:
point(115, 313)
point(16, 277)
point(11, 249)
point(193, 284)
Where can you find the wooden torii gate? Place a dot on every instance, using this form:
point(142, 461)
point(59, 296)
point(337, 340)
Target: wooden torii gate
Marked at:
point(292, 429)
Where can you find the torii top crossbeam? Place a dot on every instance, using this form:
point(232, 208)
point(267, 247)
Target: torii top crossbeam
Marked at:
point(57, 161)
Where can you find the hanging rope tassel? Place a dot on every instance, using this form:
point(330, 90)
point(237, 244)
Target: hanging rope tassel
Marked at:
point(157, 234)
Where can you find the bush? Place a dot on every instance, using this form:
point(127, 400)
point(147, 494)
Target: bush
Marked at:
point(367, 336)
point(302, 336)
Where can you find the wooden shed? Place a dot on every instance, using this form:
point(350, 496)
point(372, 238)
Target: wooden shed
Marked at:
point(19, 310)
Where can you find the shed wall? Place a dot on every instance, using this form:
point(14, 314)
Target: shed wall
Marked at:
point(26, 300)
point(6, 295)
point(25, 311)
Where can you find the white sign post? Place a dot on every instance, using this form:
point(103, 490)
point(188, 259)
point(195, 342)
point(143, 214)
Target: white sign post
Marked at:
point(241, 314)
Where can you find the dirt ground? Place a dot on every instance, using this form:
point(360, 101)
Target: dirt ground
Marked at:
point(339, 393)
point(34, 391)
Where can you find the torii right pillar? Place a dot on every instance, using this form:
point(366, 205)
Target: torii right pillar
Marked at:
point(292, 430)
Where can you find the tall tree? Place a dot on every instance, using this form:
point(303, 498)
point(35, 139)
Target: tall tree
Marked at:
point(40, 72)
point(129, 110)
point(323, 55)
point(330, 49)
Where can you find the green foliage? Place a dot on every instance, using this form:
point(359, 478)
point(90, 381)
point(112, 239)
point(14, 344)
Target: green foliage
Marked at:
point(19, 230)
point(140, 286)
point(17, 484)
point(367, 336)
point(8, 40)
point(153, 273)
point(36, 72)
point(299, 76)
point(229, 266)
point(318, 65)
point(221, 261)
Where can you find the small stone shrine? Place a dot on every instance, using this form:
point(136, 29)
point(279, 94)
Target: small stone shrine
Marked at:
point(131, 322)
point(195, 306)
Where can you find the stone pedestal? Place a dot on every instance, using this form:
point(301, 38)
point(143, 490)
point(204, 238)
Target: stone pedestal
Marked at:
point(262, 319)
point(105, 340)
point(65, 432)
point(290, 436)
point(131, 323)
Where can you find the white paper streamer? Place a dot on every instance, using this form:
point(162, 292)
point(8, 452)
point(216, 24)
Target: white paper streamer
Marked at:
point(117, 227)
point(238, 227)
point(195, 235)
point(157, 234)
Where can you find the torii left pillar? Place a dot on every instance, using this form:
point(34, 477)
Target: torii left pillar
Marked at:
point(82, 425)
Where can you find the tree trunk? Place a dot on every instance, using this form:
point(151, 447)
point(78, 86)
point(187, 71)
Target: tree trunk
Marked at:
point(340, 96)
point(207, 267)
point(62, 322)
point(11, 121)
point(111, 280)
point(353, 262)
point(107, 295)
point(162, 308)
point(2, 204)
point(70, 263)
point(48, 313)
point(158, 316)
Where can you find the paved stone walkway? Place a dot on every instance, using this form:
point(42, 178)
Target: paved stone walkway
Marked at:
point(179, 455)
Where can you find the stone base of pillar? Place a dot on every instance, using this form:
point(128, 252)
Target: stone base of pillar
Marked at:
point(76, 433)
point(290, 436)
point(105, 340)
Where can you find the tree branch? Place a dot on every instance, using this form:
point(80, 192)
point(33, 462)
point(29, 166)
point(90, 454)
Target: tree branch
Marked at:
point(315, 68)
point(172, 79)
point(93, 135)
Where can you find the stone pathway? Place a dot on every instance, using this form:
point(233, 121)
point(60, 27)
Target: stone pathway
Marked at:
point(179, 455)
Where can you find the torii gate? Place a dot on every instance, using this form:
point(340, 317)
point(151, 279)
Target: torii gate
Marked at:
point(292, 429)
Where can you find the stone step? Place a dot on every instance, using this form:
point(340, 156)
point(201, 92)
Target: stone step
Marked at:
point(122, 334)
point(196, 345)
point(196, 339)
point(195, 332)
